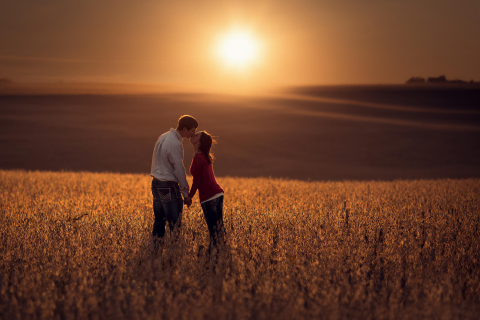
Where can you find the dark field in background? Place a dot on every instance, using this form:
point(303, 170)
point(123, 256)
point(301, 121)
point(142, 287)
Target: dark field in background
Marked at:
point(319, 133)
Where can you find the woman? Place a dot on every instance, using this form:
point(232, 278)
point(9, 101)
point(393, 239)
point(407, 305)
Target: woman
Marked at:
point(210, 193)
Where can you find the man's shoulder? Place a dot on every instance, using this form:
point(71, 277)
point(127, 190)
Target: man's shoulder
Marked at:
point(169, 135)
point(172, 140)
point(163, 135)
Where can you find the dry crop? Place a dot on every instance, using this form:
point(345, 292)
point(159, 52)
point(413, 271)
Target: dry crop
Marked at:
point(78, 245)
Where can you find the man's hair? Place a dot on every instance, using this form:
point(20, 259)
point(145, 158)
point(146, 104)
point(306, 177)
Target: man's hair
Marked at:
point(188, 122)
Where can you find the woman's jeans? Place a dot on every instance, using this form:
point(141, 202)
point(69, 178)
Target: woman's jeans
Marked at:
point(167, 206)
point(213, 212)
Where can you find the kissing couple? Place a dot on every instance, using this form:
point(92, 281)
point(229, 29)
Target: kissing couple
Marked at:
point(170, 188)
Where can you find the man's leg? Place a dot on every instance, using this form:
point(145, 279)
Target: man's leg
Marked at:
point(168, 206)
point(173, 208)
point(159, 214)
point(159, 222)
point(158, 225)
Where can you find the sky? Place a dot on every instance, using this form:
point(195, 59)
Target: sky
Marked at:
point(302, 42)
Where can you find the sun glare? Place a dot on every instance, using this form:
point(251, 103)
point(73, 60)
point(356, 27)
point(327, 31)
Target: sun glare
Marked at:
point(238, 49)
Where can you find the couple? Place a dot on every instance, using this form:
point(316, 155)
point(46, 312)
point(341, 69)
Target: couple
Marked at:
point(169, 182)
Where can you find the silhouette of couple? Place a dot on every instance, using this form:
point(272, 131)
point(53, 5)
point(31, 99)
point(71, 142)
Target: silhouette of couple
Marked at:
point(170, 187)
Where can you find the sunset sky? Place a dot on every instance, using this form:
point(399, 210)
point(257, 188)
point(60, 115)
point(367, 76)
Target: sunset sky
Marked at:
point(297, 42)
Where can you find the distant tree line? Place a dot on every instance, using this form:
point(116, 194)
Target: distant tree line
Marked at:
point(438, 80)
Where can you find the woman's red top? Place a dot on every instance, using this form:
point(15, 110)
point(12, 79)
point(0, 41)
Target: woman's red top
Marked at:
point(203, 178)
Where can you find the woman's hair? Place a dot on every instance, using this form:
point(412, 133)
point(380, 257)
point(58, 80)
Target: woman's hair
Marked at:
point(206, 142)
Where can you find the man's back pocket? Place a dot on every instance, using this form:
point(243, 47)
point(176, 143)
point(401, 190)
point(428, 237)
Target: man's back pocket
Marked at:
point(164, 194)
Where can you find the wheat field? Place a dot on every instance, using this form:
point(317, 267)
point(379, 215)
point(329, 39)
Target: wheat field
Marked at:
point(78, 246)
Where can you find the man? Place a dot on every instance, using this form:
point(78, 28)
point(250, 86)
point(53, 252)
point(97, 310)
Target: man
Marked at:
point(169, 180)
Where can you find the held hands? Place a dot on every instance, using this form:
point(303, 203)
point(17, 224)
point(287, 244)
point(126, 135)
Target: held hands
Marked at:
point(187, 201)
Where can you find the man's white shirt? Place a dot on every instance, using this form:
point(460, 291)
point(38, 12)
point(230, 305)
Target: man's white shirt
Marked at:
point(167, 160)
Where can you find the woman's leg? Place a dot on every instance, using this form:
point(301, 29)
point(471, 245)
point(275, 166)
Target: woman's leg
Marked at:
point(213, 212)
point(221, 233)
point(209, 209)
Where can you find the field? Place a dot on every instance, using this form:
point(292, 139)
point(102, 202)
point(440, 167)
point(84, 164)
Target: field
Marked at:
point(77, 245)
point(341, 202)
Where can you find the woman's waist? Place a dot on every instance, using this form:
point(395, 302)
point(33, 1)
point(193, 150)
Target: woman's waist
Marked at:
point(209, 188)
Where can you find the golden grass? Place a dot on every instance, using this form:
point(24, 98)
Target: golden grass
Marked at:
point(77, 245)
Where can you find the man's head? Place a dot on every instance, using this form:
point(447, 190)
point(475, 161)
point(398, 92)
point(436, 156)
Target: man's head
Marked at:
point(187, 125)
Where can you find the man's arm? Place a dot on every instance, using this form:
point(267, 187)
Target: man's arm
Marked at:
point(176, 158)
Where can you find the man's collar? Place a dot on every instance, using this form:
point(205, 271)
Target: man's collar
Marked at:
point(179, 136)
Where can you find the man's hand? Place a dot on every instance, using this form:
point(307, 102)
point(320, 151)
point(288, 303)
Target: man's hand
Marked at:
point(188, 202)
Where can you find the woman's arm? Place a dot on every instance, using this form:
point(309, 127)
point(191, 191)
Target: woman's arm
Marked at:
point(197, 175)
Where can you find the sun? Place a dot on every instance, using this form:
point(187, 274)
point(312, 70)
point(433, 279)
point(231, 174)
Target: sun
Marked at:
point(238, 49)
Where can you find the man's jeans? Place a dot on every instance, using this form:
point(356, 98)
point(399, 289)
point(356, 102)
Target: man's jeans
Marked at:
point(213, 212)
point(167, 206)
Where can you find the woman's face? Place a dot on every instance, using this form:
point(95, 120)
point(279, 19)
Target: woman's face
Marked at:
point(195, 139)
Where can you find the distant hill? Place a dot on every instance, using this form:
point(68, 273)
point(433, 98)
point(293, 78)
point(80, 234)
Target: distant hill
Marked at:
point(438, 80)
